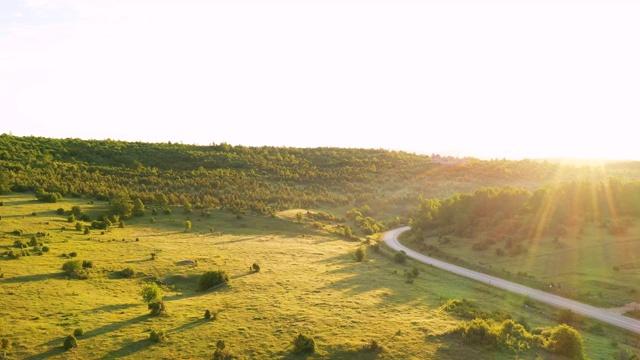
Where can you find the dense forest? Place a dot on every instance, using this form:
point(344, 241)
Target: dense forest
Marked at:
point(263, 180)
point(509, 213)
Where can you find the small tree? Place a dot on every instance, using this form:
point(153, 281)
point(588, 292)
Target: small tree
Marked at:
point(138, 207)
point(187, 225)
point(151, 293)
point(360, 254)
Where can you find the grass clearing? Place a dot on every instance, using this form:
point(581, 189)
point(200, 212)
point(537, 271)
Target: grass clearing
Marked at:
point(309, 283)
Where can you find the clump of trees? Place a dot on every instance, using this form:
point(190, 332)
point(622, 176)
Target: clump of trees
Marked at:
point(508, 335)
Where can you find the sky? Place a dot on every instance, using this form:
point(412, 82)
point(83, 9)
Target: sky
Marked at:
point(488, 79)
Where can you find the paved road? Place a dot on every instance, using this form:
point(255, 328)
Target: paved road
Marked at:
point(391, 239)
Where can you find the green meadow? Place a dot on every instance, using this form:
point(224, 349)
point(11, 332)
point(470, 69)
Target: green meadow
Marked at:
point(589, 264)
point(309, 282)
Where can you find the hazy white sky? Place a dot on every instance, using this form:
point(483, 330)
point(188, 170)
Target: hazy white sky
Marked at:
point(489, 79)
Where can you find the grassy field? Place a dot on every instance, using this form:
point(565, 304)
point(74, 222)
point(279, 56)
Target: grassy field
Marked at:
point(309, 283)
point(591, 265)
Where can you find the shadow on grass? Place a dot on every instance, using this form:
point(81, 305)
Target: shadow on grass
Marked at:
point(102, 330)
point(129, 349)
point(53, 352)
point(115, 307)
point(190, 325)
point(115, 326)
point(29, 278)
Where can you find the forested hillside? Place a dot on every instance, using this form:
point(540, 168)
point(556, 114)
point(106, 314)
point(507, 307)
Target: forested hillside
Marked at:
point(263, 180)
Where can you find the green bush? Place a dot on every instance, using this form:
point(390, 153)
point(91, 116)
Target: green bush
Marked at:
point(255, 267)
point(207, 314)
point(70, 342)
point(72, 267)
point(360, 254)
point(78, 332)
point(5, 344)
point(304, 344)
point(222, 353)
point(127, 272)
point(566, 341)
point(87, 264)
point(157, 308)
point(211, 279)
point(158, 336)
point(45, 248)
point(400, 257)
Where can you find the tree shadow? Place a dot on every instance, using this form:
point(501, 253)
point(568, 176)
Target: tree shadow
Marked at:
point(29, 278)
point(115, 326)
point(195, 323)
point(114, 307)
point(53, 352)
point(129, 349)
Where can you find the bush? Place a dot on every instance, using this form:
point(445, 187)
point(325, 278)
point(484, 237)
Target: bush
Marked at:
point(222, 353)
point(566, 341)
point(72, 267)
point(304, 344)
point(5, 344)
point(70, 342)
point(127, 272)
point(211, 279)
point(87, 264)
point(400, 257)
point(45, 248)
point(78, 332)
point(157, 308)
point(360, 254)
point(207, 314)
point(87, 231)
point(60, 211)
point(158, 336)
point(73, 254)
point(255, 267)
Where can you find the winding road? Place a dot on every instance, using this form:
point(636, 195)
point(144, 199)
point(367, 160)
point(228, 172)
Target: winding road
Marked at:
point(391, 239)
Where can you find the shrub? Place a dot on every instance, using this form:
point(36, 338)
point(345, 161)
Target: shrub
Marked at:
point(60, 211)
point(255, 267)
point(45, 248)
point(70, 342)
point(5, 344)
point(222, 353)
point(87, 231)
point(566, 341)
point(207, 314)
point(33, 241)
point(360, 254)
point(158, 336)
point(211, 279)
point(87, 264)
point(400, 257)
point(73, 254)
point(127, 272)
point(304, 344)
point(157, 308)
point(78, 332)
point(72, 267)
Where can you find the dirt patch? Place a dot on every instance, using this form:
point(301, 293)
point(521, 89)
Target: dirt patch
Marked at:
point(628, 307)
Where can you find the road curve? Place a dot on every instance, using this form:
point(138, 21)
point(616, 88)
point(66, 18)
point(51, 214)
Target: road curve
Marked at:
point(391, 239)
